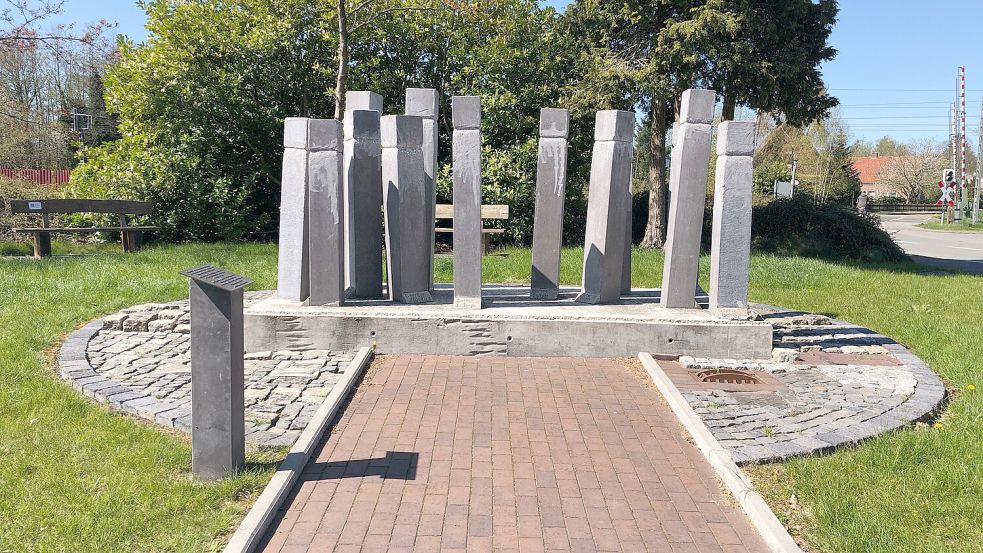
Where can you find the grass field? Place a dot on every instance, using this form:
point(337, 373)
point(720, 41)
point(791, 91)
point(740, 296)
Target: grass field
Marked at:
point(965, 225)
point(74, 477)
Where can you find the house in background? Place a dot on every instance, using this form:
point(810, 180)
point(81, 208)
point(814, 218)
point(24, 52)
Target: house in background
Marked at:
point(869, 169)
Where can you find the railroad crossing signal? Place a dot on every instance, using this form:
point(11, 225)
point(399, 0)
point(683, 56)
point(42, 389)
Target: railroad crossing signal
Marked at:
point(946, 189)
point(948, 177)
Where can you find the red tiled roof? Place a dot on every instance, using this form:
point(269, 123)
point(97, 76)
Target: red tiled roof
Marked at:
point(870, 167)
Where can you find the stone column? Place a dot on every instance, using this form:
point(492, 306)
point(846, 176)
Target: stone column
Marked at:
point(423, 102)
point(363, 195)
point(551, 179)
point(466, 115)
point(326, 232)
point(293, 266)
point(730, 251)
point(407, 238)
point(218, 433)
point(607, 203)
point(688, 182)
point(363, 203)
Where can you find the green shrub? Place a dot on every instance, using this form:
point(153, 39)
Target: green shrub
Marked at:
point(803, 226)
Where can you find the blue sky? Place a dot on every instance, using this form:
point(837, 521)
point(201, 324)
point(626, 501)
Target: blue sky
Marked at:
point(895, 72)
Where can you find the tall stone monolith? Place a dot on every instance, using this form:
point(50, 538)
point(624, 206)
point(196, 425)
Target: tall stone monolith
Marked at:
point(406, 211)
point(607, 204)
point(466, 115)
point(730, 251)
point(293, 263)
point(325, 206)
point(551, 176)
point(423, 102)
point(363, 195)
point(688, 182)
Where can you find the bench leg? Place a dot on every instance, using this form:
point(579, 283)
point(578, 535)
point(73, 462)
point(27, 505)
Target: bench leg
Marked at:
point(42, 244)
point(485, 243)
point(136, 240)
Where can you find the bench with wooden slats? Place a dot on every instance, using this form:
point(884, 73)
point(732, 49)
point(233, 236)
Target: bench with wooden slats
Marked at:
point(488, 212)
point(130, 235)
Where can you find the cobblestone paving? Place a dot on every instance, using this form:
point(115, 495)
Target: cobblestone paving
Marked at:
point(140, 362)
point(508, 454)
point(821, 405)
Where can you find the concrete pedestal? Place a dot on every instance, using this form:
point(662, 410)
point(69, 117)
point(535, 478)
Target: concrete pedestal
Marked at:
point(688, 183)
point(551, 177)
point(466, 113)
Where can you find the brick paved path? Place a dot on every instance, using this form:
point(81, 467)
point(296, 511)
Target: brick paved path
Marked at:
point(508, 454)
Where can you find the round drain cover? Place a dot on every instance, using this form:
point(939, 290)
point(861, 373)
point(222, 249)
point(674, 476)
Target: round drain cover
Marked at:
point(727, 376)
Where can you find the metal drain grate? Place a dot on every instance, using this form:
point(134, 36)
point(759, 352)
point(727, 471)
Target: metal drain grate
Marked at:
point(727, 376)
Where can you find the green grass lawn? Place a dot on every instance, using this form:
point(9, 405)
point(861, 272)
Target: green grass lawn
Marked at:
point(965, 225)
point(78, 478)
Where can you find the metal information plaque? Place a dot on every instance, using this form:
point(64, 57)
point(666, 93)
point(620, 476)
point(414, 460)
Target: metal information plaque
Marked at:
point(219, 278)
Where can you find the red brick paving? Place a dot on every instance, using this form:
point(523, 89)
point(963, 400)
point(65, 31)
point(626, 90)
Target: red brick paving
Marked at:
point(508, 454)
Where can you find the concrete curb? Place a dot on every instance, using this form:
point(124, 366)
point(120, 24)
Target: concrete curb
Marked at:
point(249, 533)
point(757, 510)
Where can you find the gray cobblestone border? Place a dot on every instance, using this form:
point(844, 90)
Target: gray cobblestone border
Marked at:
point(74, 367)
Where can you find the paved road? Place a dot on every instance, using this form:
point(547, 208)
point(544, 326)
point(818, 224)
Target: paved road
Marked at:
point(946, 250)
point(508, 454)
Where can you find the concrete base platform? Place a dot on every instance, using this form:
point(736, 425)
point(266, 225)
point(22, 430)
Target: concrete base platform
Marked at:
point(509, 324)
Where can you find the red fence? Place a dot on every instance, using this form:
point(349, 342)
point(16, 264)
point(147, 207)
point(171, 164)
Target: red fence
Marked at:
point(47, 177)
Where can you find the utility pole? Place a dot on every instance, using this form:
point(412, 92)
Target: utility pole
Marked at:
point(962, 142)
point(979, 173)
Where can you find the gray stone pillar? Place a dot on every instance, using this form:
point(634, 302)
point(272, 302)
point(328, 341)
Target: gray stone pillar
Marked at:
point(688, 182)
point(326, 232)
point(607, 203)
point(293, 264)
point(626, 267)
point(218, 433)
point(407, 237)
point(363, 204)
point(466, 115)
point(423, 102)
point(363, 195)
point(730, 252)
point(551, 180)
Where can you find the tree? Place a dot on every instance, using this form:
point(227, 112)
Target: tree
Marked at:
point(914, 176)
point(644, 53)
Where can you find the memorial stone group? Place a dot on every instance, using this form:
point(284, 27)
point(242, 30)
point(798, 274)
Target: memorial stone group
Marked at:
point(352, 187)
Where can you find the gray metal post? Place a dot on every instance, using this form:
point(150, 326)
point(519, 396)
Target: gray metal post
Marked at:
point(730, 252)
point(610, 190)
point(293, 266)
point(407, 237)
point(688, 181)
point(423, 102)
point(325, 182)
point(363, 195)
point(551, 178)
point(979, 174)
point(218, 434)
point(466, 115)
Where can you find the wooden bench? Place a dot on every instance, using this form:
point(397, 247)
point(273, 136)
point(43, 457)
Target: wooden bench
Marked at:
point(131, 236)
point(488, 212)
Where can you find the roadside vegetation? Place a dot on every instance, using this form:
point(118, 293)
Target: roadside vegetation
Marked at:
point(80, 478)
point(965, 225)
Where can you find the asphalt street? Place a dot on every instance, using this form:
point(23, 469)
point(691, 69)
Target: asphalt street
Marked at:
point(946, 250)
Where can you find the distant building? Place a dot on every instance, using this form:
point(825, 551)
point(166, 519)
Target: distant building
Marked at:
point(869, 169)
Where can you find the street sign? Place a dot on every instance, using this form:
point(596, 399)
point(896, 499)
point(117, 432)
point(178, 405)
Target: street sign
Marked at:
point(946, 190)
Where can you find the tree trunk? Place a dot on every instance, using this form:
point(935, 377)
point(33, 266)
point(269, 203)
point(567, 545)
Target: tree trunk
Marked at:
point(658, 184)
point(341, 82)
point(730, 106)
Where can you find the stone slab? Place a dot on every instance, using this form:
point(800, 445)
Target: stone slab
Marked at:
point(510, 324)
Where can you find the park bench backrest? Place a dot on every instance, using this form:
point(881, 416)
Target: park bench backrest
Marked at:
point(128, 207)
point(446, 211)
